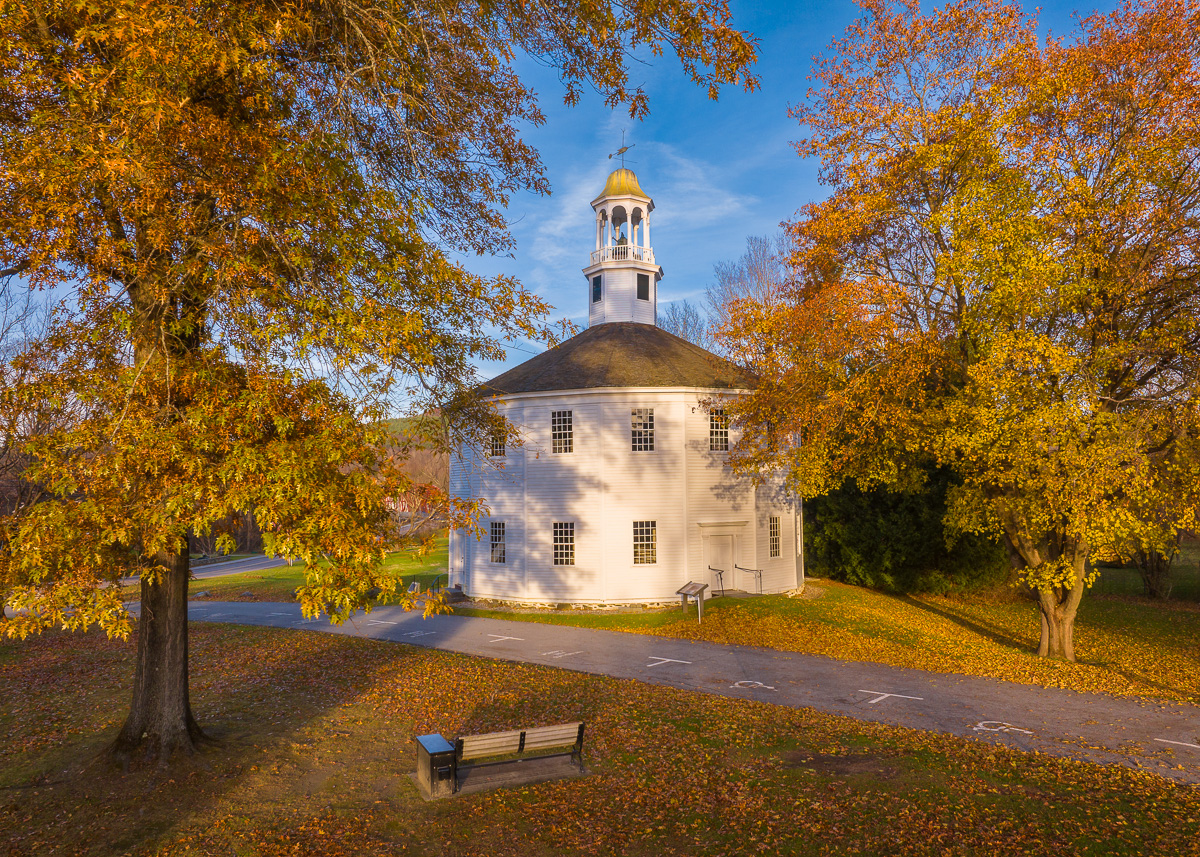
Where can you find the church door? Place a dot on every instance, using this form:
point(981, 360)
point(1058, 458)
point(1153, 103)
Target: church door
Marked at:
point(720, 555)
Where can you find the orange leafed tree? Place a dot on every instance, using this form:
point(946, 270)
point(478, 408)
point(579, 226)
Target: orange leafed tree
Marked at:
point(251, 205)
point(1005, 279)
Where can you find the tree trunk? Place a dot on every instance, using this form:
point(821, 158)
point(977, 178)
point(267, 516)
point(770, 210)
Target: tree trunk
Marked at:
point(160, 721)
point(1058, 606)
point(1156, 573)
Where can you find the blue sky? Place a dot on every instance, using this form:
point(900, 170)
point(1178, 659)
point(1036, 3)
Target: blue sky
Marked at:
point(718, 171)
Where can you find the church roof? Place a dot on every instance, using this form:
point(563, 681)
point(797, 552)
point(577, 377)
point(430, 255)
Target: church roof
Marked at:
point(622, 354)
point(622, 182)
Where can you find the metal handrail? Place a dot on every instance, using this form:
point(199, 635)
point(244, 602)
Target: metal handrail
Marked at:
point(757, 572)
point(720, 573)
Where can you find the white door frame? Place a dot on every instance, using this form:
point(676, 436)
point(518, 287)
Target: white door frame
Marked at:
point(739, 531)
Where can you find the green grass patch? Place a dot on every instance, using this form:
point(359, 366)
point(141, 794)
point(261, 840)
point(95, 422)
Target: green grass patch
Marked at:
point(314, 741)
point(279, 583)
point(1183, 580)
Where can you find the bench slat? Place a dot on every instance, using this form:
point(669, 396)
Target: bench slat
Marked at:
point(492, 744)
point(562, 730)
point(551, 737)
point(506, 743)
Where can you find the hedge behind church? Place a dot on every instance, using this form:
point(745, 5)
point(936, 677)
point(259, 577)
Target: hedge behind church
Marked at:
point(896, 541)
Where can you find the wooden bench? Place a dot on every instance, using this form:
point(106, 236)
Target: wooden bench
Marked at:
point(524, 744)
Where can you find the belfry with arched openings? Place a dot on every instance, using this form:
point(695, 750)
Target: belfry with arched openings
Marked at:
point(622, 275)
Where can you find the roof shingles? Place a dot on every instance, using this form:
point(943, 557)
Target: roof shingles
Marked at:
point(622, 354)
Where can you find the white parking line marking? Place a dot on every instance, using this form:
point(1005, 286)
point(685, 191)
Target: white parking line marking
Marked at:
point(881, 696)
point(419, 633)
point(557, 653)
point(278, 614)
point(658, 662)
point(1180, 743)
point(500, 638)
point(750, 685)
point(998, 726)
point(380, 622)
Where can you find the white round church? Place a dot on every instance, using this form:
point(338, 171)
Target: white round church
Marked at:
point(620, 491)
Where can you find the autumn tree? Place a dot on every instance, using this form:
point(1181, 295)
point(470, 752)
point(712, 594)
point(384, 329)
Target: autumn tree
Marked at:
point(1004, 279)
point(253, 205)
point(758, 275)
point(23, 320)
point(687, 321)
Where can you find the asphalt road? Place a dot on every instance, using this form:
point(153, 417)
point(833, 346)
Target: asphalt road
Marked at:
point(1155, 736)
point(236, 566)
point(220, 569)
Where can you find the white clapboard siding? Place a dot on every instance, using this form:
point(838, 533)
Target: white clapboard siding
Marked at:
point(779, 573)
point(603, 486)
point(619, 303)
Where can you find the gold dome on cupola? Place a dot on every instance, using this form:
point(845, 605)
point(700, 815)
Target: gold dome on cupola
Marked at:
point(623, 182)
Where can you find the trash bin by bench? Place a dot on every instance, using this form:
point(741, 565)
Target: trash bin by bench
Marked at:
point(436, 766)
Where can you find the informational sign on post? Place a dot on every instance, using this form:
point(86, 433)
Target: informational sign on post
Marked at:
point(694, 591)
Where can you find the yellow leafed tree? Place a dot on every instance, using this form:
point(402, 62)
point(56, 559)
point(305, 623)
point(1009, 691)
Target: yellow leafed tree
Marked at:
point(1006, 277)
point(251, 206)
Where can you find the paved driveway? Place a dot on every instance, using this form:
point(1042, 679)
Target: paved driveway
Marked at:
point(220, 569)
point(1161, 737)
point(237, 566)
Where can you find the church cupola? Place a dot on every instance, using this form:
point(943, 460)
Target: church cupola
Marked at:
point(622, 277)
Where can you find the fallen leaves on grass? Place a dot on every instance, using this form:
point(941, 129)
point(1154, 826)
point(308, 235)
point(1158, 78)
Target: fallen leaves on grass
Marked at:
point(316, 744)
point(1123, 647)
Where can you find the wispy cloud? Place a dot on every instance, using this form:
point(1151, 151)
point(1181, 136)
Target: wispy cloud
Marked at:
point(696, 191)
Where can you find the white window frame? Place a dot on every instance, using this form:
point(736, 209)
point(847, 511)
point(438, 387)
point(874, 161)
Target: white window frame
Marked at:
point(718, 430)
point(645, 542)
point(497, 529)
point(564, 543)
point(641, 429)
point(562, 432)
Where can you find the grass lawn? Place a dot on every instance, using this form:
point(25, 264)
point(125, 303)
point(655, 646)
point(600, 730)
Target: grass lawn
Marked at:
point(314, 744)
point(1125, 646)
point(1183, 581)
point(278, 584)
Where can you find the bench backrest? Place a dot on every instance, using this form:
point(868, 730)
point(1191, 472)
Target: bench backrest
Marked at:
point(519, 740)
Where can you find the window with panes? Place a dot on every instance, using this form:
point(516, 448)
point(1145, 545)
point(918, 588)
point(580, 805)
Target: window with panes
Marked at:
point(561, 434)
point(642, 429)
point(718, 430)
point(564, 542)
point(645, 542)
point(774, 535)
point(498, 443)
point(498, 552)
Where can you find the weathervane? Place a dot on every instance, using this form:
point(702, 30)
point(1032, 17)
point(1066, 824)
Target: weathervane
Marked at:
point(621, 151)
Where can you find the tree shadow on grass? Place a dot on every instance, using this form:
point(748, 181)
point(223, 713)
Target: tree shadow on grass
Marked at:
point(996, 635)
point(270, 698)
point(1003, 638)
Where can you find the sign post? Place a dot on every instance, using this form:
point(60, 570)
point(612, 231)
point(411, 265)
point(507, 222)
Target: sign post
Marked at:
point(694, 591)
